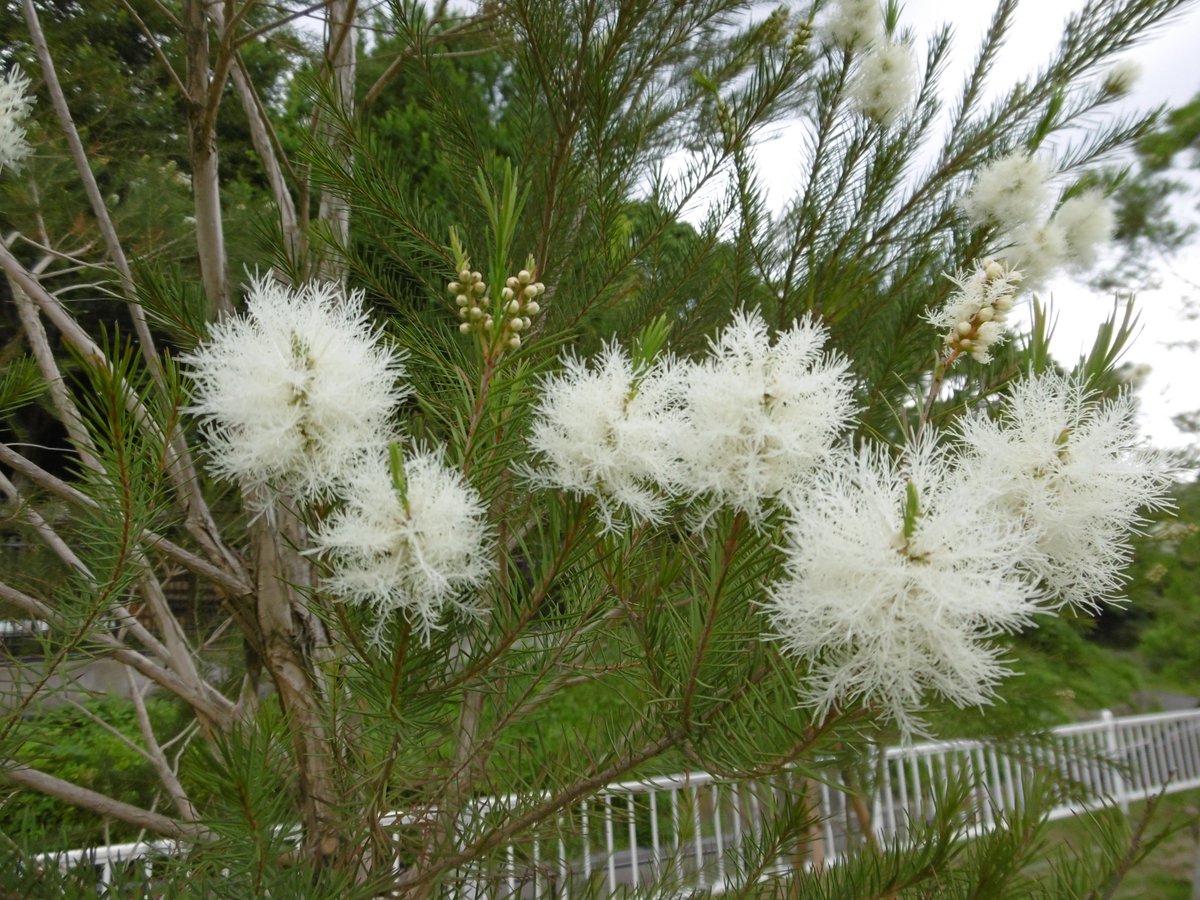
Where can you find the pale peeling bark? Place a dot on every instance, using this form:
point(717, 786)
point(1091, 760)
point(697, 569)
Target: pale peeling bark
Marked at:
point(340, 61)
point(291, 638)
point(202, 101)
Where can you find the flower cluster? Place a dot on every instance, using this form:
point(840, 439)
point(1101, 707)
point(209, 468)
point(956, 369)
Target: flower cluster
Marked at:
point(900, 570)
point(975, 314)
point(1071, 469)
point(1013, 194)
point(739, 428)
point(852, 24)
point(15, 104)
point(885, 81)
point(417, 548)
point(299, 394)
point(295, 390)
point(759, 416)
point(608, 432)
point(898, 573)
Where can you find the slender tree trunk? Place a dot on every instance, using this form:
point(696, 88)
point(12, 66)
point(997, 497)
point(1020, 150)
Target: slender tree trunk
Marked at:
point(341, 62)
point(202, 102)
point(291, 640)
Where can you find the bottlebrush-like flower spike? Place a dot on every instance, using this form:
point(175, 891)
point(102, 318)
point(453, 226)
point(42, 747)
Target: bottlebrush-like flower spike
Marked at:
point(898, 574)
point(422, 550)
point(295, 390)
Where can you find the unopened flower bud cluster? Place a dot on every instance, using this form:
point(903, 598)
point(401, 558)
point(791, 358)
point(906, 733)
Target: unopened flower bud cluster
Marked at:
point(976, 313)
point(517, 305)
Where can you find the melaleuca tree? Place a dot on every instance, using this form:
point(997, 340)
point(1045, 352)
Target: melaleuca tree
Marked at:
point(769, 485)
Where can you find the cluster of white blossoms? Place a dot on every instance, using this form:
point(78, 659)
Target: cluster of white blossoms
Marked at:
point(852, 24)
point(898, 575)
point(419, 548)
point(901, 571)
point(609, 432)
point(884, 78)
point(975, 315)
point(1013, 193)
point(299, 394)
point(1072, 470)
point(739, 428)
point(296, 389)
point(885, 81)
point(760, 415)
point(15, 104)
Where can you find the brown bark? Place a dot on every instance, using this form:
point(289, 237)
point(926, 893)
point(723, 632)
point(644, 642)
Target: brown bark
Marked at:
point(290, 639)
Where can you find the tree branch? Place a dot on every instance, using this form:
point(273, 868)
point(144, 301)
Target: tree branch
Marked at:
point(44, 783)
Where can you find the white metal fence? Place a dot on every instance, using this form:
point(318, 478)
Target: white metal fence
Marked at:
point(693, 831)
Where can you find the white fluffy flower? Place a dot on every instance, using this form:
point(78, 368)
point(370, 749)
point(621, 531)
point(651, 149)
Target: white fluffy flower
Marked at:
point(885, 83)
point(15, 104)
point(853, 23)
point(760, 416)
point(1087, 223)
point(1068, 467)
point(1010, 192)
point(898, 574)
point(1120, 79)
point(1038, 250)
point(422, 553)
point(296, 389)
point(603, 432)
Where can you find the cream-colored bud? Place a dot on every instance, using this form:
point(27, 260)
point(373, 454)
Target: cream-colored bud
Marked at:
point(462, 313)
point(993, 269)
point(462, 299)
point(513, 307)
point(532, 308)
point(514, 341)
point(477, 276)
point(524, 277)
point(517, 324)
point(464, 275)
point(506, 293)
point(454, 287)
point(479, 287)
point(475, 312)
point(485, 300)
point(530, 291)
point(541, 288)
point(964, 328)
point(1003, 303)
point(986, 314)
point(488, 322)
point(512, 282)
point(464, 328)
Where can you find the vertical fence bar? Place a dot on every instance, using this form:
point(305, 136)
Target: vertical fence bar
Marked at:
point(655, 842)
point(562, 859)
point(610, 844)
point(718, 833)
point(587, 844)
point(633, 847)
point(697, 837)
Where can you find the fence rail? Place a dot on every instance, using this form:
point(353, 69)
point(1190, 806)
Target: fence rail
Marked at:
point(693, 831)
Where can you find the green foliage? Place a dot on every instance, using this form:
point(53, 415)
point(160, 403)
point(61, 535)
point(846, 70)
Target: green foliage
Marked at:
point(67, 742)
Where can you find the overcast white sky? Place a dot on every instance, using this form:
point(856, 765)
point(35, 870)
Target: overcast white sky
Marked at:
point(1170, 64)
